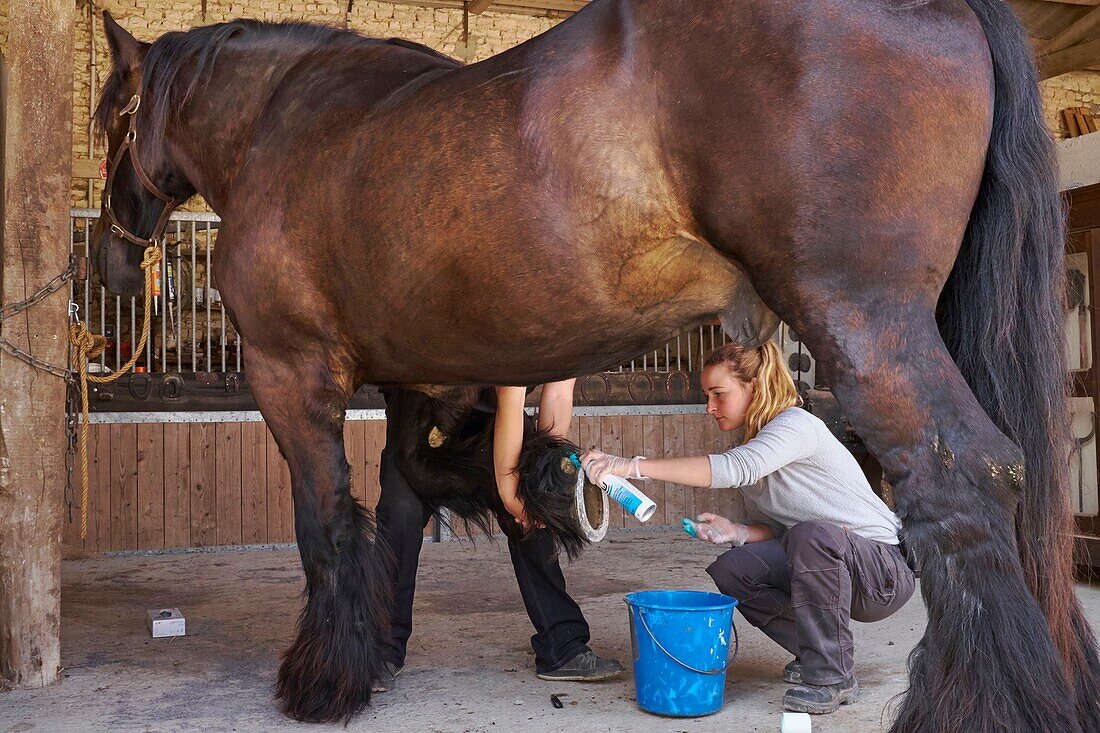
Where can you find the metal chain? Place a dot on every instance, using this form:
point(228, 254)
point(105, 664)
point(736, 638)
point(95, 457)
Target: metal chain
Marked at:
point(51, 287)
point(71, 410)
point(9, 310)
point(58, 371)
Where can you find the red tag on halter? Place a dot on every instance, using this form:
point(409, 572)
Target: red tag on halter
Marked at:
point(103, 169)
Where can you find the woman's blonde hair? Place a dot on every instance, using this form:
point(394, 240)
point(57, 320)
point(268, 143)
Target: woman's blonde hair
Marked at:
point(775, 390)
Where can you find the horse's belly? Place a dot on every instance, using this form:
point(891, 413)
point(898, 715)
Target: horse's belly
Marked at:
point(545, 321)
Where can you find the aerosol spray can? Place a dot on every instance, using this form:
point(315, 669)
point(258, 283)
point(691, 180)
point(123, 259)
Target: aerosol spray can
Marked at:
point(624, 493)
point(156, 291)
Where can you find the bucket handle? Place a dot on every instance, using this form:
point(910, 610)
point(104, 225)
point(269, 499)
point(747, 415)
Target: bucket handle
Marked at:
point(685, 665)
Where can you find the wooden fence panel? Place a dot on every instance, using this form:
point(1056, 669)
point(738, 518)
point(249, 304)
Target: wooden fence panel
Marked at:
point(696, 444)
point(676, 496)
point(611, 442)
point(653, 446)
point(123, 486)
point(99, 492)
point(150, 486)
point(177, 485)
point(228, 494)
point(280, 510)
point(254, 484)
point(634, 445)
point(355, 447)
point(375, 440)
point(204, 507)
point(165, 485)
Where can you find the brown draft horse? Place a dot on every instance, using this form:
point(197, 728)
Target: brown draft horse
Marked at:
point(393, 217)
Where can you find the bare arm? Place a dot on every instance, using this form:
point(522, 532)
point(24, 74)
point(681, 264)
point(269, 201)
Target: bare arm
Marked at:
point(507, 443)
point(556, 407)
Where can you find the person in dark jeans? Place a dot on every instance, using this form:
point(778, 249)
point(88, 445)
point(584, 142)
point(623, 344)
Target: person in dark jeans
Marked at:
point(825, 549)
point(561, 634)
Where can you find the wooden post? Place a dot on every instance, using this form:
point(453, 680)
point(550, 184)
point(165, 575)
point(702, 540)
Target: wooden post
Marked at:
point(37, 162)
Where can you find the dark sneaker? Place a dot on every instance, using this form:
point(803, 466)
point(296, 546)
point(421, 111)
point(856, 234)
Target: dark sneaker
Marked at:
point(792, 673)
point(385, 681)
point(585, 667)
point(821, 699)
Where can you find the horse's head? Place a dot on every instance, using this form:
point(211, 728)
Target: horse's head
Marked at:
point(143, 186)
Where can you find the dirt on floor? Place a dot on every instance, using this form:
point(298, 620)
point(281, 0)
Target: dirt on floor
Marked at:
point(470, 666)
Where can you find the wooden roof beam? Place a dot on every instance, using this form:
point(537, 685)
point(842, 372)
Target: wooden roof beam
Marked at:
point(1080, 30)
point(1072, 2)
point(477, 7)
point(1074, 58)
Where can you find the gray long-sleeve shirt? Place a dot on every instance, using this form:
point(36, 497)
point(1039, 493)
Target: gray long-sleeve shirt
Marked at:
point(794, 471)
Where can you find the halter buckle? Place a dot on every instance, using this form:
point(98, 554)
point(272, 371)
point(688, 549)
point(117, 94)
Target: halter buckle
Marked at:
point(131, 106)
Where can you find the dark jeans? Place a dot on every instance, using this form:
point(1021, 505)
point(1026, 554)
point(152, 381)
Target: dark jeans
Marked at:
point(803, 590)
point(560, 629)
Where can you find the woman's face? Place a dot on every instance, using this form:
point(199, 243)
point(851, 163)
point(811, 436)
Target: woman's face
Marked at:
point(728, 398)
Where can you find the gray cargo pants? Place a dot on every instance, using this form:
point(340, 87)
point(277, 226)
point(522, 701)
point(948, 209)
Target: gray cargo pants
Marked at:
point(803, 589)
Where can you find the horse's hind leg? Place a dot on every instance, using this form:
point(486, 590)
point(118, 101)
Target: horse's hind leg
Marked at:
point(987, 661)
point(326, 674)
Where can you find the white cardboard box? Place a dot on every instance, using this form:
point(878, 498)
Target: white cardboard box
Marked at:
point(166, 622)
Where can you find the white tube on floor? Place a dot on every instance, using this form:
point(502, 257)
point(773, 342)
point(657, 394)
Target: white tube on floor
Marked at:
point(795, 723)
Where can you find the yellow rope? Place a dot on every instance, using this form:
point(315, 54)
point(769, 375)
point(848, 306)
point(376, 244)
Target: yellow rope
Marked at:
point(88, 347)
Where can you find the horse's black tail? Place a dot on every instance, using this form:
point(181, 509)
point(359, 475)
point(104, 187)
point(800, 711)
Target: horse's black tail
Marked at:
point(1001, 315)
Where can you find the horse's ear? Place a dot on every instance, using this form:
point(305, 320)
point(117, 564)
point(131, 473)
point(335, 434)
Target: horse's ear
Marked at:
point(126, 51)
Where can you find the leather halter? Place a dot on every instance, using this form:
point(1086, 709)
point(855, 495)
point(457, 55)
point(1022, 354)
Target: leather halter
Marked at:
point(130, 144)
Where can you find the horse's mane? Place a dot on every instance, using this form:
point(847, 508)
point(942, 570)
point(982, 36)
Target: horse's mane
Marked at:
point(195, 51)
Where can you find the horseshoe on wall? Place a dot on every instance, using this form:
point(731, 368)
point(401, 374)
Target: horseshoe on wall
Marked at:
point(1079, 450)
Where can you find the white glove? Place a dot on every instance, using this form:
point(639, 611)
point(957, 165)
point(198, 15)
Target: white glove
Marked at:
point(598, 466)
point(720, 531)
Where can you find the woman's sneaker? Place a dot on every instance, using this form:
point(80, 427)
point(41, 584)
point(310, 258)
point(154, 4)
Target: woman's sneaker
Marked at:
point(585, 667)
point(821, 699)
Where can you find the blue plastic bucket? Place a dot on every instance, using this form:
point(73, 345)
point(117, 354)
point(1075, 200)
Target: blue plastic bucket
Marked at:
point(681, 641)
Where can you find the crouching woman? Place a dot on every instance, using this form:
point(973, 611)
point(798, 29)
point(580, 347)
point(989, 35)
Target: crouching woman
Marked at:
point(827, 551)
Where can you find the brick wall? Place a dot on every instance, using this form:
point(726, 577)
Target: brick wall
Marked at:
point(1078, 89)
point(148, 19)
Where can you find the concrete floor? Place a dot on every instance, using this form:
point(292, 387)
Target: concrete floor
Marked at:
point(470, 665)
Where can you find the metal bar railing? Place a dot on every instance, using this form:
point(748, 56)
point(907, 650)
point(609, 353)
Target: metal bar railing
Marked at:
point(190, 330)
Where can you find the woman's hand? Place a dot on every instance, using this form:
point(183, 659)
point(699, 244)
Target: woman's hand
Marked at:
point(515, 507)
point(720, 531)
point(598, 466)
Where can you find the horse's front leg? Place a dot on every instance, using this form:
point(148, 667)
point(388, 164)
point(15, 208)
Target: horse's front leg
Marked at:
point(326, 674)
point(987, 661)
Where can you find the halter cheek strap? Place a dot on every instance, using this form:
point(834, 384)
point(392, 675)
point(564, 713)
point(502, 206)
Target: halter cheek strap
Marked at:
point(129, 144)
